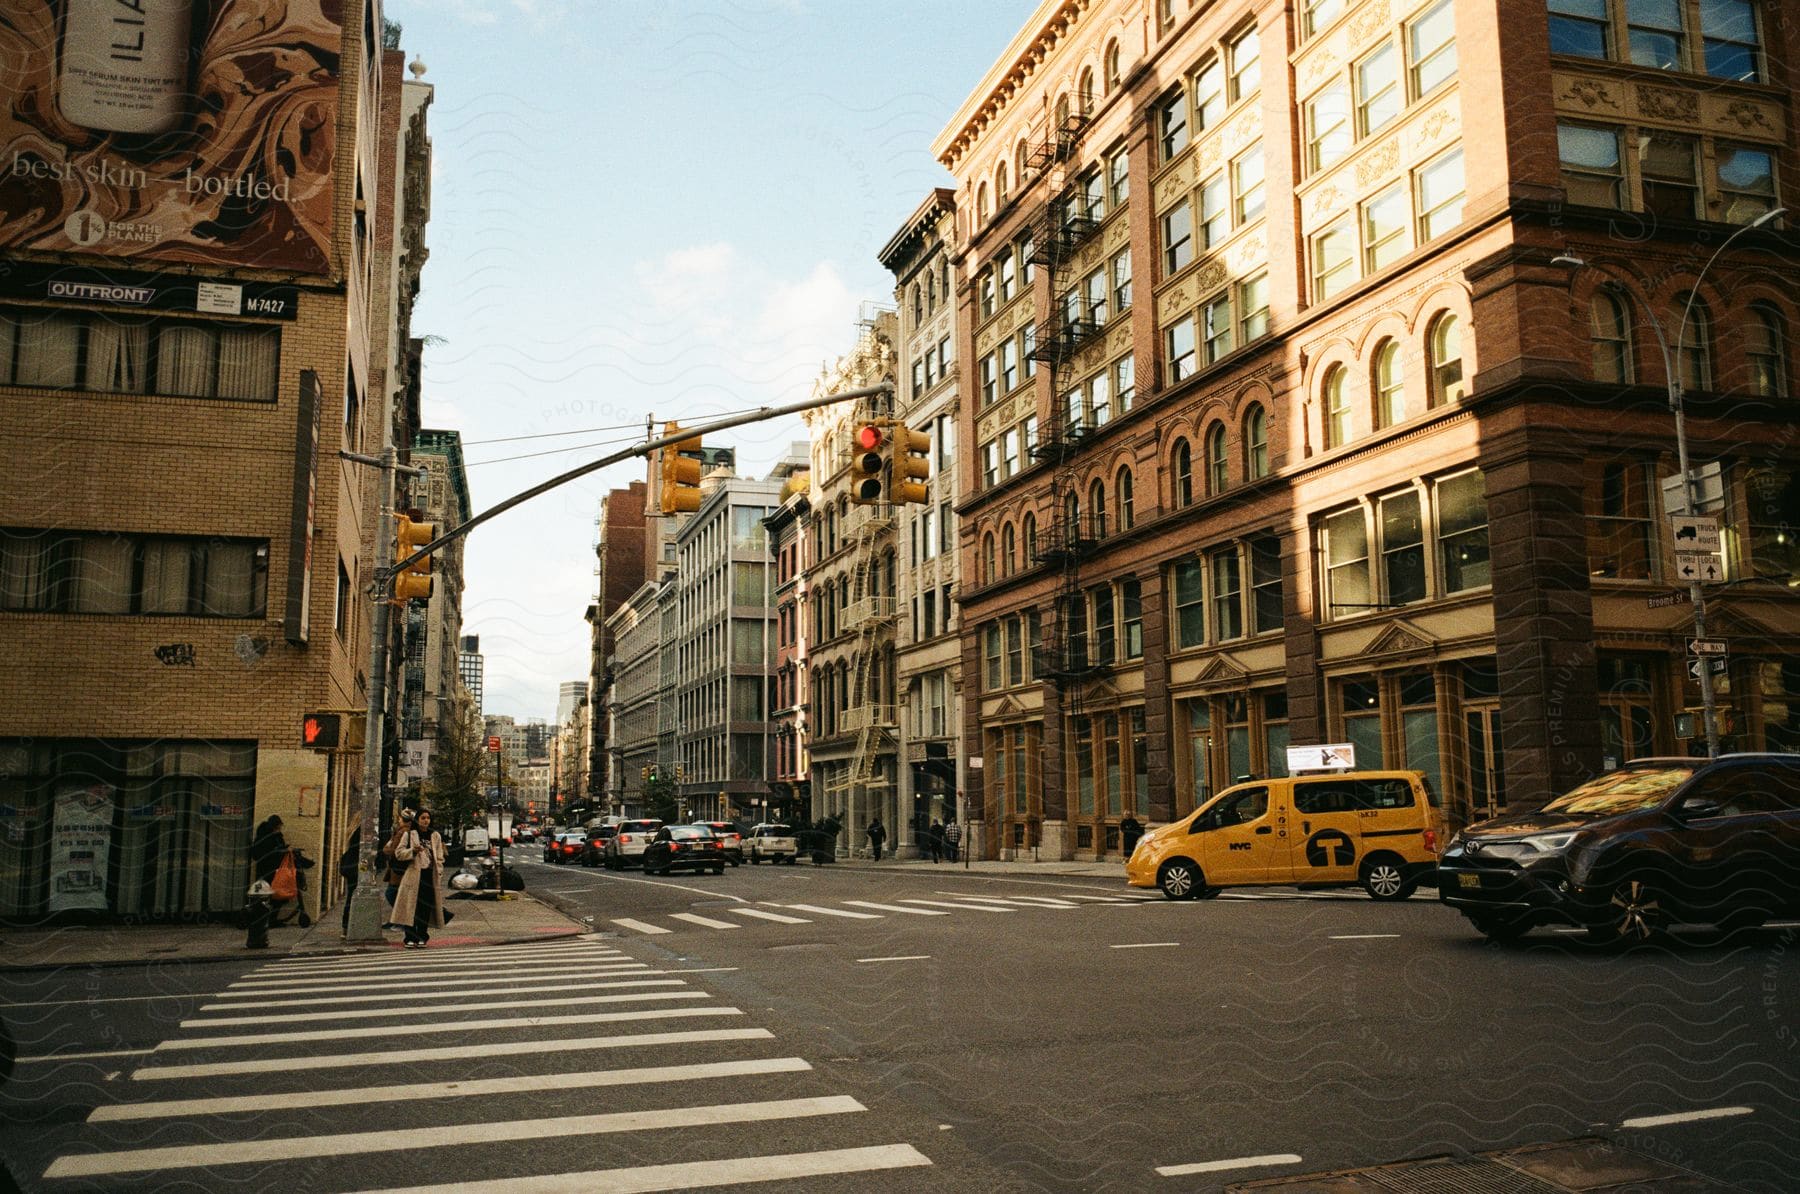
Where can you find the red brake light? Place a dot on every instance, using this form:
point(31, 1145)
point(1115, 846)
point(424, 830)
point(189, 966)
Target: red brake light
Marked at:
point(1431, 840)
point(624, 837)
point(674, 845)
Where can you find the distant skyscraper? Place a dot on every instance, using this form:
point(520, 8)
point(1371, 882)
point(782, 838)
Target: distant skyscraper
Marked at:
point(570, 697)
point(469, 666)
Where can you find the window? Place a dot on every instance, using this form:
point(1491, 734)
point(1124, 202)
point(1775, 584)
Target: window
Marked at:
point(1256, 442)
point(1006, 273)
point(1653, 33)
point(918, 378)
point(1440, 186)
point(1030, 537)
point(1125, 500)
point(1183, 468)
point(1327, 126)
point(1384, 229)
point(1253, 308)
point(1124, 373)
point(1131, 602)
point(1617, 509)
point(1179, 349)
point(1218, 474)
point(1028, 348)
point(1099, 399)
point(1094, 297)
point(1027, 251)
point(1320, 13)
point(1463, 532)
point(1265, 583)
point(1216, 321)
point(1334, 259)
point(1177, 238)
point(1209, 94)
point(1385, 380)
point(1215, 211)
point(990, 381)
point(1097, 507)
point(1172, 124)
point(1121, 281)
point(1767, 349)
point(1227, 594)
point(1770, 498)
point(1009, 365)
point(1118, 176)
point(981, 204)
point(341, 618)
point(1694, 347)
point(1000, 187)
point(1432, 42)
point(1445, 347)
point(1346, 563)
point(1009, 451)
point(1190, 607)
point(990, 463)
point(1592, 172)
point(1109, 74)
point(1671, 176)
point(1402, 548)
point(1105, 625)
point(989, 570)
point(1247, 184)
point(1579, 27)
point(91, 573)
point(1729, 41)
point(121, 354)
point(1335, 402)
point(1746, 181)
point(993, 652)
point(987, 293)
point(1246, 65)
point(1377, 89)
point(1611, 325)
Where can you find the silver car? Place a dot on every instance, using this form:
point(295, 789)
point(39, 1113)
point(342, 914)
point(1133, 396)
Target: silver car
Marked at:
point(626, 847)
point(772, 843)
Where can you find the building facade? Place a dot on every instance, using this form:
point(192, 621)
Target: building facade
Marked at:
point(632, 698)
point(470, 668)
point(790, 786)
point(1323, 442)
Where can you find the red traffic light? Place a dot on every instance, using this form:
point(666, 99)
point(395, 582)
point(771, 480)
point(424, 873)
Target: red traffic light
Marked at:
point(869, 437)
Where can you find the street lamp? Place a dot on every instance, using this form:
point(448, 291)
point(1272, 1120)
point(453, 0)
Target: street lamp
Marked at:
point(1689, 483)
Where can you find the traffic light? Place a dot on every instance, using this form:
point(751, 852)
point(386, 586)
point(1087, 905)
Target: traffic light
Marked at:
point(868, 458)
point(911, 467)
point(415, 582)
point(321, 731)
point(680, 473)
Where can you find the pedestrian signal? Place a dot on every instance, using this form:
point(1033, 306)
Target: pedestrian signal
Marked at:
point(321, 731)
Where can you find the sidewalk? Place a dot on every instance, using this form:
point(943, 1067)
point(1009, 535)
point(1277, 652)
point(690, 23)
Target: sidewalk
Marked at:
point(478, 922)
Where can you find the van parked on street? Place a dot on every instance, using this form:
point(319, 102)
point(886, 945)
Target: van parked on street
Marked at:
point(1379, 829)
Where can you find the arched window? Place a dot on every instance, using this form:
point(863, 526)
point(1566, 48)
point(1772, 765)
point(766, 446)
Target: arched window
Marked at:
point(1334, 402)
point(1009, 547)
point(918, 304)
point(1085, 89)
point(931, 293)
point(981, 205)
point(1768, 351)
point(1030, 539)
point(1610, 321)
point(1071, 519)
point(1021, 161)
point(1445, 349)
point(1124, 500)
point(1218, 471)
point(1062, 112)
point(1695, 344)
point(1001, 190)
point(1256, 442)
point(1097, 507)
point(987, 558)
point(1110, 68)
point(1183, 458)
point(1388, 386)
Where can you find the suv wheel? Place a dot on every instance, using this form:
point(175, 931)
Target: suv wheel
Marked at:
point(1384, 878)
point(1633, 913)
point(1179, 880)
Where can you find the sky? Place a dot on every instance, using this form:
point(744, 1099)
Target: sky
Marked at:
point(652, 207)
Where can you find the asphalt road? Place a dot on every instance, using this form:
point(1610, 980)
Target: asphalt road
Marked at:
point(914, 1028)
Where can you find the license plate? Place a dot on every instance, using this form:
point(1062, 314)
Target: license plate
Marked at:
point(1469, 880)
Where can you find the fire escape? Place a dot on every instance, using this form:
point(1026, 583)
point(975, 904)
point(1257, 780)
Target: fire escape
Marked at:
point(872, 716)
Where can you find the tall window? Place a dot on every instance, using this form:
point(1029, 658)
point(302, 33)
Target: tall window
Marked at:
point(1334, 259)
point(989, 572)
point(1001, 191)
point(1131, 601)
point(1431, 43)
point(1009, 550)
point(1610, 321)
point(1378, 99)
point(1216, 322)
point(1696, 347)
point(1097, 507)
point(1654, 35)
point(1183, 458)
point(1617, 510)
point(1593, 174)
point(1126, 504)
point(1247, 184)
point(1388, 384)
point(981, 204)
point(1253, 308)
point(1347, 589)
point(1463, 532)
point(1121, 281)
point(1327, 126)
point(1671, 176)
point(1215, 211)
point(1227, 594)
point(1746, 181)
point(1444, 345)
point(1085, 92)
point(1218, 474)
point(1172, 124)
point(1177, 238)
point(1190, 604)
point(1335, 402)
point(1440, 186)
point(1579, 27)
point(1030, 538)
point(1110, 73)
point(1256, 442)
point(1402, 548)
point(1265, 583)
point(1729, 40)
point(1179, 348)
point(987, 293)
point(1384, 228)
point(1768, 351)
point(1209, 94)
point(1246, 65)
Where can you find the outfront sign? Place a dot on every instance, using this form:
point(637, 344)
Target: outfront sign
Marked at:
point(1336, 756)
point(130, 289)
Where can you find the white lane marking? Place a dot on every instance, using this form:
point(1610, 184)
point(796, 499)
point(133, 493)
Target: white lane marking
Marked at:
point(99, 999)
point(393, 955)
point(389, 996)
point(420, 985)
point(492, 1025)
point(193, 1156)
point(442, 970)
point(615, 877)
point(1685, 1117)
point(899, 958)
point(1041, 902)
point(694, 1175)
point(1148, 945)
point(707, 922)
point(894, 908)
point(970, 907)
point(1233, 1163)
point(84, 1056)
point(822, 911)
point(1363, 936)
point(777, 917)
point(640, 926)
point(333, 1061)
point(363, 1013)
point(352, 1096)
point(431, 959)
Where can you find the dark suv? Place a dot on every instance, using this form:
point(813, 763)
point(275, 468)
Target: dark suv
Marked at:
point(1656, 842)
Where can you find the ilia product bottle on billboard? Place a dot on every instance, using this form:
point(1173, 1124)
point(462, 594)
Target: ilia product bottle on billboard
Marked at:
point(124, 66)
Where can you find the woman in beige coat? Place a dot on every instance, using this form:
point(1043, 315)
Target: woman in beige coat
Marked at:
point(419, 903)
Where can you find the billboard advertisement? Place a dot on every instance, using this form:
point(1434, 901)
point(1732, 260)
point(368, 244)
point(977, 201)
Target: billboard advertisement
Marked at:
point(156, 131)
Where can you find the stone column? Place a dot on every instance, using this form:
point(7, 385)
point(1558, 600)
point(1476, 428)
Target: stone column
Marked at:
point(1159, 732)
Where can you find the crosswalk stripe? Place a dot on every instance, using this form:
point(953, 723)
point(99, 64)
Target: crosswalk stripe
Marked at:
point(526, 1084)
point(846, 914)
point(436, 960)
point(283, 1065)
point(895, 908)
point(334, 1034)
point(193, 1156)
point(445, 971)
point(641, 926)
point(777, 917)
point(971, 907)
point(704, 921)
point(1118, 899)
point(411, 983)
point(397, 958)
point(694, 1175)
point(367, 1012)
point(631, 980)
point(1041, 902)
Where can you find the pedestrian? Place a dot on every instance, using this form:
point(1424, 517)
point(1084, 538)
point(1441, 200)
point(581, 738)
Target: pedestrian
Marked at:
point(952, 838)
point(1130, 830)
point(934, 838)
point(393, 868)
point(266, 849)
point(350, 867)
point(419, 903)
point(877, 835)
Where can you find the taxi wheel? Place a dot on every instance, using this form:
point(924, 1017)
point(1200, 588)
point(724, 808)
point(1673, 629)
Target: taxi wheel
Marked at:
point(1384, 878)
point(1179, 880)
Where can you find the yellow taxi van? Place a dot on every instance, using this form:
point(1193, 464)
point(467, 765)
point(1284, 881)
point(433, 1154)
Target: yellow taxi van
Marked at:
point(1380, 829)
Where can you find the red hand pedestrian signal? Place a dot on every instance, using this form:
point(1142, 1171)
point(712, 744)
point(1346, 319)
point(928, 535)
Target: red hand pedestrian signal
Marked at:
point(321, 731)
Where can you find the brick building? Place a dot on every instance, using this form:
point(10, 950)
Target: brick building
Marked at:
point(1288, 428)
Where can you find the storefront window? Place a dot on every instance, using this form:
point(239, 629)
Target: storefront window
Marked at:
point(1199, 728)
point(1081, 730)
point(1275, 731)
point(1237, 739)
point(1361, 705)
point(1627, 709)
point(1418, 726)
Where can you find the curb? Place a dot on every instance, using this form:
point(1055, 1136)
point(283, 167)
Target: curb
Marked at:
point(254, 955)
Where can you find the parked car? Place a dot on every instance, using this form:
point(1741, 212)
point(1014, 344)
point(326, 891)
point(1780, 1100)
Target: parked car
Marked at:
point(1379, 829)
point(1627, 854)
point(627, 845)
point(595, 852)
point(567, 847)
point(771, 842)
point(731, 840)
point(691, 846)
point(523, 835)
